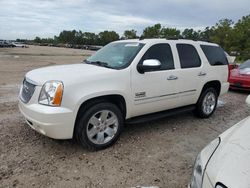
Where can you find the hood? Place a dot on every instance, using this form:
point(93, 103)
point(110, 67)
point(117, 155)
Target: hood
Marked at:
point(66, 73)
point(230, 164)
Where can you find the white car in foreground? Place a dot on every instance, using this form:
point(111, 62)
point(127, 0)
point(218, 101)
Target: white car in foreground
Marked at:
point(225, 162)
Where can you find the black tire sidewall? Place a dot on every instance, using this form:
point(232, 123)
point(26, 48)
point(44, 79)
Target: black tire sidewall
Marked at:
point(81, 128)
point(199, 109)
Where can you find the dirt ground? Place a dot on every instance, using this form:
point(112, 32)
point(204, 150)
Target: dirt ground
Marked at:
point(159, 153)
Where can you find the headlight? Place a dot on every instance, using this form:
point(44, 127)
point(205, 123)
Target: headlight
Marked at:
point(51, 93)
point(201, 163)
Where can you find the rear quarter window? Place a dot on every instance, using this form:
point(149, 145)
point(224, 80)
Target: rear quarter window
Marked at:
point(215, 55)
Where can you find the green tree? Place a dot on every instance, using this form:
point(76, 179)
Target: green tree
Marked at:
point(90, 38)
point(106, 37)
point(56, 40)
point(47, 40)
point(206, 34)
point(232, 37)
point(37, 40)
point(222, 33)
point(241, 38)
point(78, 38)
point(191, 34)
point(130, 34)
point(67, 37)
point(152, 31)
point(170, 33)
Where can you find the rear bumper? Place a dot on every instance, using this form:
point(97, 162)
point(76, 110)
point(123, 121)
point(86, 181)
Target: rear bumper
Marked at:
point(240, 83)
point(54, 122)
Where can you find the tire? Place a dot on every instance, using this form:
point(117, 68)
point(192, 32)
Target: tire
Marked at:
point(95, 132)
point(207, 103)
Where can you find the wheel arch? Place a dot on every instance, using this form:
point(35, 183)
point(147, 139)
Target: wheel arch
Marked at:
point(116, 99)
point(214, 84)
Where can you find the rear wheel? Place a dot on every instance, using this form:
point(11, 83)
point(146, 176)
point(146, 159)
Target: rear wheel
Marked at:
point(207, 103)
point(100, 126)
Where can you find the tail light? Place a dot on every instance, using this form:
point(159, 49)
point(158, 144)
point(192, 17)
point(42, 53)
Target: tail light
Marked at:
point(229, 70)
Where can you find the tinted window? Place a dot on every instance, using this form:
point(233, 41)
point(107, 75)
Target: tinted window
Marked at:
point(215, 55)
point(161, 52)
point(188, 56)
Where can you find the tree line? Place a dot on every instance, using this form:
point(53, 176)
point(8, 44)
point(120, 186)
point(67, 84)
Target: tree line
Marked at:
point(233, 37)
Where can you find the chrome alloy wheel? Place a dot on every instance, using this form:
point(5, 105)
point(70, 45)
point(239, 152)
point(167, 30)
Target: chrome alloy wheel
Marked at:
point(102, 127)
point(209, 103)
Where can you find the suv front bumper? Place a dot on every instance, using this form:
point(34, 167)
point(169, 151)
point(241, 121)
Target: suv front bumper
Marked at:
point(54, 122)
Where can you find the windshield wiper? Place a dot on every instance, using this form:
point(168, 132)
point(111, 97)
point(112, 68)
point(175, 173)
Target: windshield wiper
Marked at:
point(98, 63)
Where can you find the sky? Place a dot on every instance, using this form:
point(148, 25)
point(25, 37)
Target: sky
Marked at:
point(27, 19)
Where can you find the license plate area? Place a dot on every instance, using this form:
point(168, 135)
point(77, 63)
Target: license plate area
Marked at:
point(238, 84)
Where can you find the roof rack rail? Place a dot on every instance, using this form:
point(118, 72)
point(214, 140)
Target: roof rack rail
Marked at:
point(204, 40)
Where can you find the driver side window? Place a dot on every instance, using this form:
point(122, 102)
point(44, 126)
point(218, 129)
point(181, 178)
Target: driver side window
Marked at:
point(161, 52)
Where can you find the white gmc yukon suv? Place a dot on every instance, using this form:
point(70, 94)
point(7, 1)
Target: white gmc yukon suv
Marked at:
point(129, 80)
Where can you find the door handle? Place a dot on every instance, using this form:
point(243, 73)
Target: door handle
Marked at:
point(202, 74)
point(172, 77)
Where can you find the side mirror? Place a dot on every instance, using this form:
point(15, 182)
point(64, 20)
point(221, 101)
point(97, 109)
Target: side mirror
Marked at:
point(248, 100)
point(149, 65)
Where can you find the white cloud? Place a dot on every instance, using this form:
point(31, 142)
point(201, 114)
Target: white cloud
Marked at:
point(45, 18)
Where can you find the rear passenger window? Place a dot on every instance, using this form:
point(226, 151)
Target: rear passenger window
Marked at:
point(215, 55)
point(188, 55)
point(161, 52)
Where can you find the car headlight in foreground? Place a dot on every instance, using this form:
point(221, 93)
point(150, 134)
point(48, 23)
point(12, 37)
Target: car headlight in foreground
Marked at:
point(201, 163)
point(51, 93)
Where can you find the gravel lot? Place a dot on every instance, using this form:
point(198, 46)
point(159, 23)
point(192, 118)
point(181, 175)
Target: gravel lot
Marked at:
point(159, 153)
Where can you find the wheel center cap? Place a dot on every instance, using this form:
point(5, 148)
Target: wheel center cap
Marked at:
point(102, 126)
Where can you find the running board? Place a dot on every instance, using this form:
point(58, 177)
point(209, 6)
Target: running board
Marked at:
point(159, 115)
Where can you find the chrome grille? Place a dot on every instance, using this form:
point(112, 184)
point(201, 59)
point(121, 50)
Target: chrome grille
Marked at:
point(27, 91)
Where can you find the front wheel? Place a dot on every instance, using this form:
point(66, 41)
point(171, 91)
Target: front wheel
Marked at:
point(100, 126)
point(207, 103)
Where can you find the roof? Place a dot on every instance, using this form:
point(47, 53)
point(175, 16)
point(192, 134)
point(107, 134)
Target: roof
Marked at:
point(174, 41)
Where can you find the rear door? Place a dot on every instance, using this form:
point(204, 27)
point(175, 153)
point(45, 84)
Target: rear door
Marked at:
point(191, 73)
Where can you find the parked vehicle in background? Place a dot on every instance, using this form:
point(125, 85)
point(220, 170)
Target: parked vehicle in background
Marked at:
point(225, 161)
point(240, 76)
point(6, 44)
point(129, 80)
point(93, 47)
point(19, 45)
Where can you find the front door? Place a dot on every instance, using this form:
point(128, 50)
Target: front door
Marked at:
point(156, 90)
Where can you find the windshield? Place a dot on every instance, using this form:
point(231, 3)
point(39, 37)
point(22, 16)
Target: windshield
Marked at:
point(246, 64)
point(116, 55)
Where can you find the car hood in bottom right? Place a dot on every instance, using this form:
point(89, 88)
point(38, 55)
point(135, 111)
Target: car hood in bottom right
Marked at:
point(230, 164)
